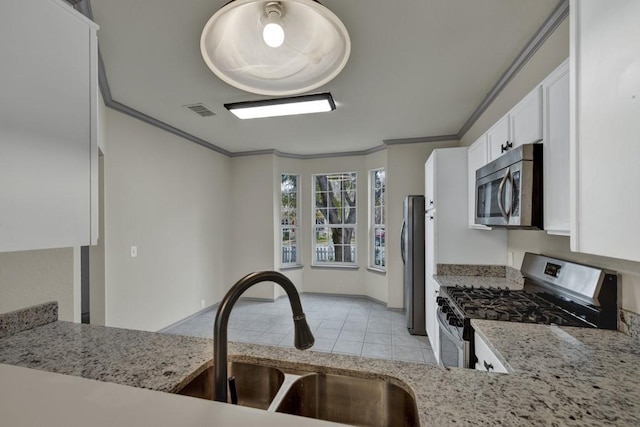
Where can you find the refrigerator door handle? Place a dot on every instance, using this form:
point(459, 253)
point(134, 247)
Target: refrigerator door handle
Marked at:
point(402, 240)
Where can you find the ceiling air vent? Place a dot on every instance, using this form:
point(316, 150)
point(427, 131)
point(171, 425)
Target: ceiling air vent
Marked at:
point(201, 109)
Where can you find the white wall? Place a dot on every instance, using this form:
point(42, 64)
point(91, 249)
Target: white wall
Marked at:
point(171, 199)
point(546, 59)
point(33, 277)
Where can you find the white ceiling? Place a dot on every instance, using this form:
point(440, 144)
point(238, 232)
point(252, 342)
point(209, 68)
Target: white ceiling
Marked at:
point(418, 68)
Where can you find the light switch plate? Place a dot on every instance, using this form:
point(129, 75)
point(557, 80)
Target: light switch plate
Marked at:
point(134, 251)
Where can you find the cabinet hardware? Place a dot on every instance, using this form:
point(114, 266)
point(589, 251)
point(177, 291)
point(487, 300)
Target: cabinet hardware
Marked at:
point(506, 146)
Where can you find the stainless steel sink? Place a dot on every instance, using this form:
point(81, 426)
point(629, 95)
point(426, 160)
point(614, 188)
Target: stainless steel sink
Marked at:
point(257, 385)
point(349, 400)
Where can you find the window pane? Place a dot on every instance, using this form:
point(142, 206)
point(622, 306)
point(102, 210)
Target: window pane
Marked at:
point(335, 196)
point(289, 217)
point(377, 219)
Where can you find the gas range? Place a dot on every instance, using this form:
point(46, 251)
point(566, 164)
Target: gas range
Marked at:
point(555, 292)
point(507, 305)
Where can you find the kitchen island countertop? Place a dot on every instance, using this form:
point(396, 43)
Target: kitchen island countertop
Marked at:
point(535, 394)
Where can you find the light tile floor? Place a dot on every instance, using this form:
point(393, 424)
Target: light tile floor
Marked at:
point(347, 325)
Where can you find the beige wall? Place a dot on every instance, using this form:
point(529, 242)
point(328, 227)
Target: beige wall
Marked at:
point(171, 199)
point(250, 233)
point(405, 177)
point(33, 277)
point(547, 58)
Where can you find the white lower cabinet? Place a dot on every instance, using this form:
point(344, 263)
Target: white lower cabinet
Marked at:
point(487, 360)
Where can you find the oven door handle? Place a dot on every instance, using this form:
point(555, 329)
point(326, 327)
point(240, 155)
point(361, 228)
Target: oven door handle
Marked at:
point(501, 188)
point(444, 327)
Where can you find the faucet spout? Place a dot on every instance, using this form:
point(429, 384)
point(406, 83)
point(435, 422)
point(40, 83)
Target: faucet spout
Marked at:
point(303, 338)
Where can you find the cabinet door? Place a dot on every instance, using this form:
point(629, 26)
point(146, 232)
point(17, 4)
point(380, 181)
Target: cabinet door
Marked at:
point(498, 137)
point(556, 151)
point(487, 360)
point(431, 292)
point(605, 125)
point(477, 156)
point(526, 119)
point(48, 145)
point(429, 182)
point(430, 243)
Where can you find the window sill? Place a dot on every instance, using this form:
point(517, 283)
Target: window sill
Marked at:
point(335, 267)
point(291, 267)
point(377, 270)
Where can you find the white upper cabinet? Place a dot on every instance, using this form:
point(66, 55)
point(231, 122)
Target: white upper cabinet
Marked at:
point(48, 126)
point(498, 138)
point(522, 125)
point(556, 151)
point(605, 128)
point(477, 156)
point(526, 119)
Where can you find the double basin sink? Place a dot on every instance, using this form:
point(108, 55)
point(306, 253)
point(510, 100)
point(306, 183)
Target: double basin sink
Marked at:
point(337, 398)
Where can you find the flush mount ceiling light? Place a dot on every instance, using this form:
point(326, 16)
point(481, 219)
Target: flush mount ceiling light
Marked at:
point(306, 104)
point(283, 47)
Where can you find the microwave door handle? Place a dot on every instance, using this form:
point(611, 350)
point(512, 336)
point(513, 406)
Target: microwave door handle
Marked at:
point(506, 176)
point(511, 183)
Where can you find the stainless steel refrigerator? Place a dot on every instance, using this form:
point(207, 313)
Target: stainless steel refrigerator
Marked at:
point(412, 247)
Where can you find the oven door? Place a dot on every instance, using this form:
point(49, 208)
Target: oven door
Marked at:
point(454, 350)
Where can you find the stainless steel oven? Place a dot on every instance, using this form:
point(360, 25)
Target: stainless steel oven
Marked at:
point(455, 347)
point(509, 189)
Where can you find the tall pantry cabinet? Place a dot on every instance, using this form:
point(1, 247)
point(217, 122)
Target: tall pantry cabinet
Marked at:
point(48, 126)
point(448, 238)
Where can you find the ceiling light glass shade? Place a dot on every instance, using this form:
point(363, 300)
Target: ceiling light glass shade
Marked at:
point(316, 46)
point(305, 104)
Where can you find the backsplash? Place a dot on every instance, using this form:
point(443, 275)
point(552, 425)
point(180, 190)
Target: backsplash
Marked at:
point(471, 270)
point(629, 323)
point(28, 318)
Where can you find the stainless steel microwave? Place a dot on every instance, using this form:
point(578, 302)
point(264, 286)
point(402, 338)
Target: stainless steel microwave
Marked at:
point(509, 189)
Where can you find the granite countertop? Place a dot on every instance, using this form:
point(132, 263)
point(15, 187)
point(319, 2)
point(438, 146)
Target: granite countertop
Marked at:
point(477, 281)
point(561, 376)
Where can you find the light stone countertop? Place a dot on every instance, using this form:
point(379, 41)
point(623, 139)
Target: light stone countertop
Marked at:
point(533, 395)
point(477, 281)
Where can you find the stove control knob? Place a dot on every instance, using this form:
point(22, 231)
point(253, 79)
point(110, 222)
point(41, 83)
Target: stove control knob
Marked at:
point(440, 301)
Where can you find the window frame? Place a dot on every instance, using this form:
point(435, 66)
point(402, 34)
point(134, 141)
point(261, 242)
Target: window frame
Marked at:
point(315, 226)
point(289, 227)
point(373, 225)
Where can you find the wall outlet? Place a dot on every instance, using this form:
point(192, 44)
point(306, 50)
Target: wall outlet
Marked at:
point(202, 303)
point(134, 251)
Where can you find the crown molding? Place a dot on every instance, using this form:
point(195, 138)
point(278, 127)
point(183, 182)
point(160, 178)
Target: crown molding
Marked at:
point(548, 27)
